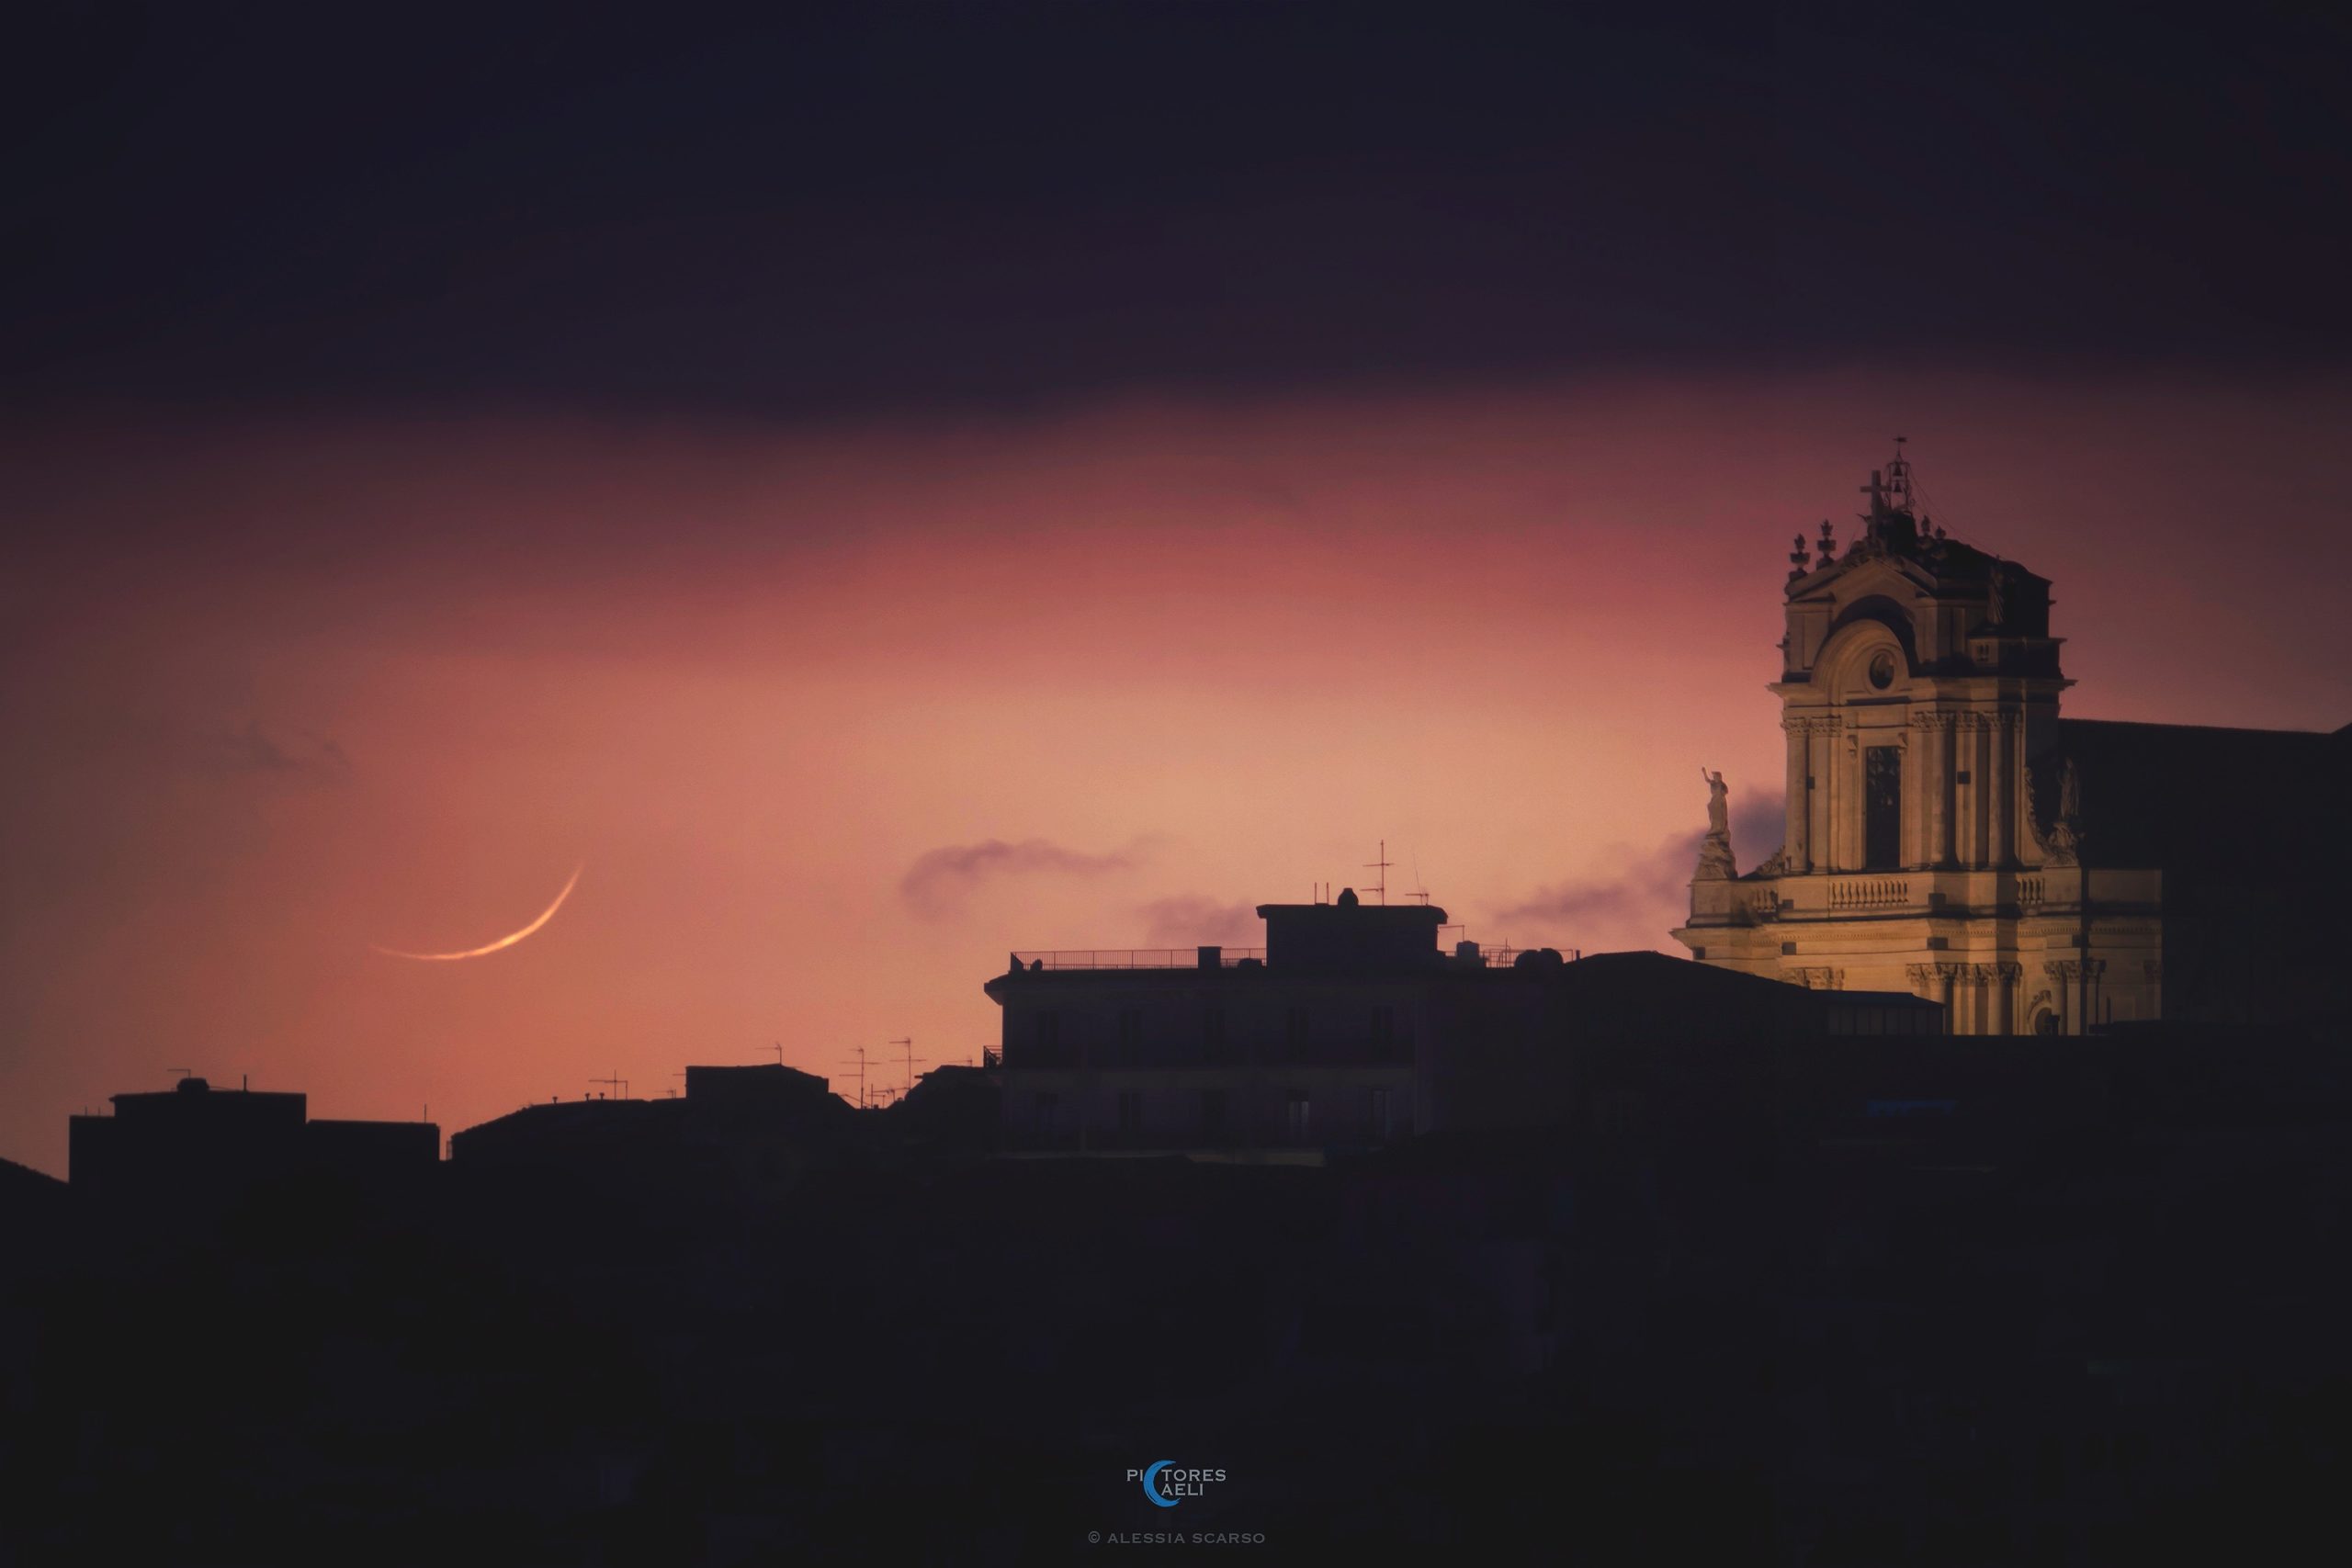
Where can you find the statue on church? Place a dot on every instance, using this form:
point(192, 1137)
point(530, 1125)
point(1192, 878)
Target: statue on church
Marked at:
point(2058, 831)
point(1716, 863)
point(1718, 804)
point(2065, 835)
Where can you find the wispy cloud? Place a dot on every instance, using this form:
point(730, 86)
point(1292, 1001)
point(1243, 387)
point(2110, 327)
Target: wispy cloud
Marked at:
point(1185, 919)
point(939, 882)
point(292, 754)
point(1648, 896)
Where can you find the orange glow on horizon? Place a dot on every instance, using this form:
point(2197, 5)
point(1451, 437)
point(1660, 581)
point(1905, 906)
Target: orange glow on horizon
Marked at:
point(281, 686)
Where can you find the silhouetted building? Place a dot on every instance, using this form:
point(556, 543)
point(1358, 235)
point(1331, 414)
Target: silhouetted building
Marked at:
point(1946, 831)
point(951, 1109)
point(195, 1140)
point(753, 1125)
point(1351, 1031)
point(30, 1199)
point(764, 1088)
point(569, 1132)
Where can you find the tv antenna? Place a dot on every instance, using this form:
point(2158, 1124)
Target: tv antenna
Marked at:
point(778, 1049)
point(615, 1082)
point(1421, 889)
point(909, 1059)
point(861, 1076)
point(1381, 865)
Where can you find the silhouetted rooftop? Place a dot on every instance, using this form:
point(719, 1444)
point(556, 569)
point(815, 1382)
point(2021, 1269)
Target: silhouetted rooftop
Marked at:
point(2199, 801)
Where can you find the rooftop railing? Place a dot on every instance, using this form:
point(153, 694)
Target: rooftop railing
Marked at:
point(1502, 956)
point(1136, 958)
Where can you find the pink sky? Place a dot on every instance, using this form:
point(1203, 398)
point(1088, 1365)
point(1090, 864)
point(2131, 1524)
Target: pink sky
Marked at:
point(281, 687)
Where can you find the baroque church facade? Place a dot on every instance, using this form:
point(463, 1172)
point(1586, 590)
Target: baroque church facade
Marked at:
point(1949, 833)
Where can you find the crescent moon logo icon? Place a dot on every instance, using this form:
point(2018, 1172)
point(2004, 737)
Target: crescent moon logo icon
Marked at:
point(504, 941)
point(1151, 1490)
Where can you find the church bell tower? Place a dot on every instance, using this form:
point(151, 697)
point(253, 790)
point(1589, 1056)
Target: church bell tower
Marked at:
point(1927, 845)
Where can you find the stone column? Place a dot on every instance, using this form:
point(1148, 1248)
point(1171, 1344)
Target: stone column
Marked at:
point(1959, 751)
point(1977, 832)
point(1915, 790)
point(1939, 788)
point(1843, 766)
point(2065, 974)
point(2006, 978)
point(1934, 981)
point(1999, 762)
point(1821, 756)
point(1796, 831)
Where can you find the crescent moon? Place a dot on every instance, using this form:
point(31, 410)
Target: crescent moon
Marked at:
point(507, 941)
point(1153, 1491)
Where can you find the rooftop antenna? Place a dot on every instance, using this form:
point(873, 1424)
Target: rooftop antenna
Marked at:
point(1381, 865)
point(1421, 889)
point(910, 1059)
point(778, 1049)
point(861, 1076)
point(618, 1082)
point(182, 1071)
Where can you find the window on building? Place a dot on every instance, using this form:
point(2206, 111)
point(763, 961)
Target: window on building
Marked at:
point(1295, 1125)
point(1130, 1112)
point(1212, 1115)
point(1383, 1030)
point(1883, 808)
point(1376, 1113)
